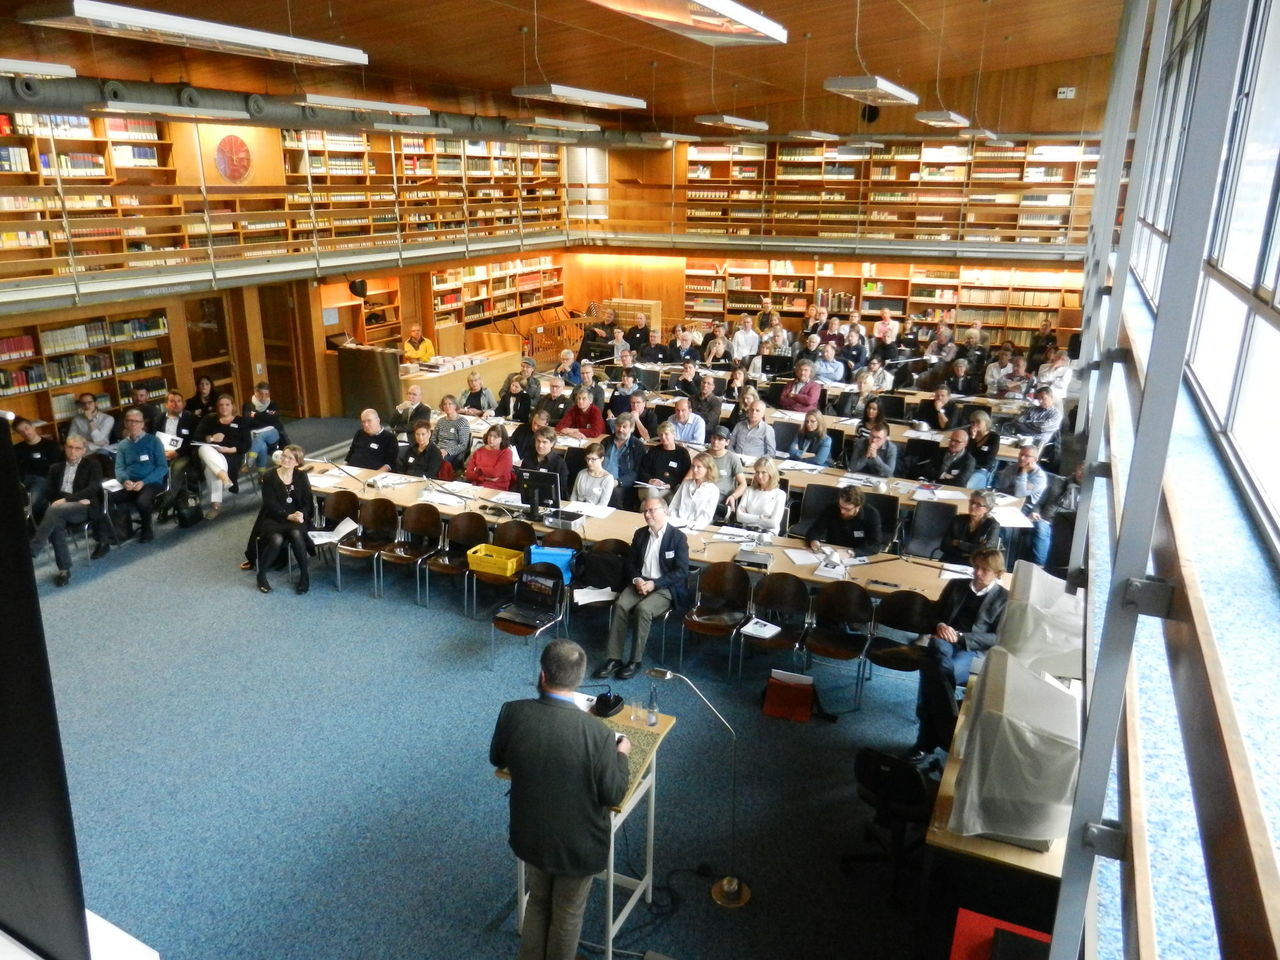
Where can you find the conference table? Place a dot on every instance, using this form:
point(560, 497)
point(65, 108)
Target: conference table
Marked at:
point(879, 575)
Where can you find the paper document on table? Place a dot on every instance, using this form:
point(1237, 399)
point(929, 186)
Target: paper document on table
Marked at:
point(441, 498)
point(951, 494)
point(326, 481)
point(459, 487)
point(381, 481)
point(596, 511)
point(507, 499)
point(859, 480)
point(852, 561)
point(924, 493)
point(921, 434)
point(835, 571)
point(734, 533)
point(680, 523)
point(1010, 517)
point(791, 415)
point(337, 533)
point(961, 568)
point(573, 441)
point(1004, 499)
point(802, 558)
point(952, 575)
point(800, 465)
point(593, 594)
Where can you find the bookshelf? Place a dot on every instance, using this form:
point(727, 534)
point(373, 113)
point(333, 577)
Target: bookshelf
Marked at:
point(1037, 192)
point(43, 368)
point(1010, 301)
point(373, 320)
point(481, 293)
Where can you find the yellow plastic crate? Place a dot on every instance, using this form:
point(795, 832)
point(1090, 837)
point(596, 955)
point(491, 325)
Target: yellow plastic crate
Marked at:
point(486, 558)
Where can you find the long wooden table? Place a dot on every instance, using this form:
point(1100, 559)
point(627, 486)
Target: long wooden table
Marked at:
point(881, 575)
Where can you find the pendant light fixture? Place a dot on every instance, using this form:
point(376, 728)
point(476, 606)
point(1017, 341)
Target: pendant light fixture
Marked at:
point(944, 118)
point(868, 88)
point(804, 104)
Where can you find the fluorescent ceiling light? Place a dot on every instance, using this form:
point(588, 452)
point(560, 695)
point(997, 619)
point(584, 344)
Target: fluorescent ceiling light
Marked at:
point(873, 90)
point(559, 93)
point(534, 136)
point(110, 19)
point(166, 110)
point(349, 103)
point(410, 128)
point(1000, 142)
point(870, 144)
point(942, 118)
point(977, 133)
point(671, 137)
point(717, 23)
point(555, 123)
point(34, 68)
point(812, 135)
point(731, 122)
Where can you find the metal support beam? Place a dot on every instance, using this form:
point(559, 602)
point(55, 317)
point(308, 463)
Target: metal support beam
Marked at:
point(1208, 124)
point(1107, 839)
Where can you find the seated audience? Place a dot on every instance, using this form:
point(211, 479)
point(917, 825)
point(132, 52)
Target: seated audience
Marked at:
point(717, 352)
point(745, 340)
point(753, 437)
point(95, 426)
point(953, 463)
point(1017, 382)
point(582, 421)
point(736, 384)
point(546, 459)
point(872, 417)
point(202, 402)
point(594, 484)
point(556, 402)
point(421, 458)
point(620, 402)
point(532, 386)
point(1056, 374)
point(810, 350)
point(592, 384)
point(646, 419)
point(142, 469)
point(478, 401)
point(35, 454)
point(874, 455)
point(266, 429)
point(491, 465)
point(176, 421)
point(829, 368)
point(1041, 420)
point(978, 530)
point(941, 347)
point(223, 440)
point(655, 351)
point(984, 447)
point(666, 464)
point(731, 475)
point(939, 413)
point(1024, 478)
point(689, 427)
point(682, 348)
point(622, 456)
point(75, 497)
point(997, 370)
point(966, 617)
point(284, 519)
point(514, 402)
point(686, 382)
point(140, 397)
point(763, 502)
point(960, 383)
point(452, 434)
point(417, 348)
point(846, 523)
point(811, 445)
point(706, 404)
point(523, 439)
point(696, 498)
point(409, 410)
point(372, 448)
point(567, 368)
point(1061, 496)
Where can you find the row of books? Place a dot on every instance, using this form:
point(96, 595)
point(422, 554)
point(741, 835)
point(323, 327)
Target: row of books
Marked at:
point(15, 160)
point(128, 155)
point(17, 347)
point(56, 125)
point(75, 164)
point(156, 387)
point(23, 238)
point(139, 359)
point(56, 372)
point(131, 128)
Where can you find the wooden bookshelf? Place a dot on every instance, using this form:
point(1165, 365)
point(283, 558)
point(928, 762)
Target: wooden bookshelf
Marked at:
point(1010, 301)
point(373, 320)
point(482, 293)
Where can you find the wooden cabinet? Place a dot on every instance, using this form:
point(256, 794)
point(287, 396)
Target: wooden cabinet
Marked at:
point(374, 319)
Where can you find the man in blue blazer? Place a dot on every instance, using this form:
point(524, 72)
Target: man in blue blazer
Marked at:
point(659, 570)
point(567, 769)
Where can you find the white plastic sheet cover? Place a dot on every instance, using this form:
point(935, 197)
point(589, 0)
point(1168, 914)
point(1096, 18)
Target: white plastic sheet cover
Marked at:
point(1043, 624)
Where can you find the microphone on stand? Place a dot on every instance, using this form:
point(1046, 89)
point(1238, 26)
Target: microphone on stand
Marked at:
point(344, 470)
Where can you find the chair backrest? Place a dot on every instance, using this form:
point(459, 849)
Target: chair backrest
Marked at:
point(817, 497)
point(893, 407)
point(725, 584)
point(915, 456)
point(540, 586)
point(515, 535)
point(889, 782)
point(379, 515)
point(837, 445)
point(885, 504)
point(422, 520)
point(784, 432)
point(612, 545)
point(575, 460)
point(649, 377)
point(929, 524)
point(563, 538)
point(904, 610)
point(341, 505)
point(781, 595)
point(468, 529)
point(841, 603)
point(970, 408)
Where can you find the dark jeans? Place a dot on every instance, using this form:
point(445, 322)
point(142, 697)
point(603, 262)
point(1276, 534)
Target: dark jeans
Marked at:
point(142, 501)
point(945, 668)
point(38, 493)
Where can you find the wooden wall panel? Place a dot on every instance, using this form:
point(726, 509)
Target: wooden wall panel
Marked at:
point(601, 276)
point(195, 145)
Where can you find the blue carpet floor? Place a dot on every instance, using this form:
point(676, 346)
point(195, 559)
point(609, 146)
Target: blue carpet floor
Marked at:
point(306, 777)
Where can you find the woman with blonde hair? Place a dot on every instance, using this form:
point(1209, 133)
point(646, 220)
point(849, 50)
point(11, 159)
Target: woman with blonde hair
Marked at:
point(763, 502)
point(697, 496)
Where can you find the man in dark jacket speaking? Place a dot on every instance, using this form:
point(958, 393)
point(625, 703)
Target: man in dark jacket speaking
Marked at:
point(567, 769)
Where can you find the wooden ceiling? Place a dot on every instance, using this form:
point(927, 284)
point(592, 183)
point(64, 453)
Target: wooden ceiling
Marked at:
point(466, 55)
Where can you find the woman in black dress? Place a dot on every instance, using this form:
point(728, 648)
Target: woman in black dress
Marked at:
point(423, 458)
point(514, 402)
point(284, 518)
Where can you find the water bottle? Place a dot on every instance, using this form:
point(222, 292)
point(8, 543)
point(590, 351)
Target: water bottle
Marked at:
point(651, 715)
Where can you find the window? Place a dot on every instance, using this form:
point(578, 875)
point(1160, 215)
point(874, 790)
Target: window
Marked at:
point(1252, 426)
point(1216, 354)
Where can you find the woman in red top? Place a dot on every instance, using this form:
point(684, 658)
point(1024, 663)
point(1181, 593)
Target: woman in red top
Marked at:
point(583, 420)
point(492, 465)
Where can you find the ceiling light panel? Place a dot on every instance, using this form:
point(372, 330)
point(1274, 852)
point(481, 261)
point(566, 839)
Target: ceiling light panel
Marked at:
point(730, 122)
point(166, 110)
point(555, 123)
point(34, 68)
point(577, 96)
point(717, 23)
point(942, 118)
point(113, 20)
point(874, 90)
point(350, 103)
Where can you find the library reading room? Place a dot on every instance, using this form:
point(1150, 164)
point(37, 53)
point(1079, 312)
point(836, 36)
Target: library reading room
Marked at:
point(858, 404)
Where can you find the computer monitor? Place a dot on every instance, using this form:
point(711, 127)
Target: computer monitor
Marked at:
point(538, 489)
point(775, 364)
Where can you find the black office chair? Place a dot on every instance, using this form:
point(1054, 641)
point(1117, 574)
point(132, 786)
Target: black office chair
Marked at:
point(901, 798)
point(893, 407)
point(784, 432)
point(817, 497)
point(885, 504)
point(914, 457)
point(929, 525)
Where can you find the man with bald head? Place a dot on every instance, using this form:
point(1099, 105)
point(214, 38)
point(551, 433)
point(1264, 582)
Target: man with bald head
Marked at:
point(372, 448)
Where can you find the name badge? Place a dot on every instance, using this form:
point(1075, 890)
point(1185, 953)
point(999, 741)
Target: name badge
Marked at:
point(288, 499)
point(145, 457)
point(184, 431)
point(670, 554)
point(37, 455)
point(858, 534)
point(671, 463)
point(373, 446)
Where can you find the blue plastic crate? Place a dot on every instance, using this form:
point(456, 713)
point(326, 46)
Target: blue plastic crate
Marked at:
point(562, 557)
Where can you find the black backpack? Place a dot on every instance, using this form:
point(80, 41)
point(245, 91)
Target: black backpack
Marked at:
point(188, 509)
point(598, 569)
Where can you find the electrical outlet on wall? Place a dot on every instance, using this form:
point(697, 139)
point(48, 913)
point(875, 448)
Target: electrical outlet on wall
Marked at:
point(1066, 93)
